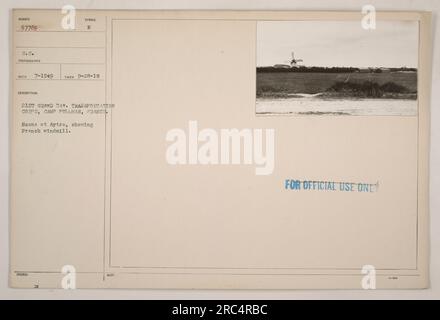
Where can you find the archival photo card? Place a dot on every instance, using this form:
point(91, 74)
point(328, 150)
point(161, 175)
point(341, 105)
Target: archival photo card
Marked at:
point(337, 68)
point(219, 150)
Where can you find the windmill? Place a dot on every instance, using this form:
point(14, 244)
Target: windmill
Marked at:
point(294, 62)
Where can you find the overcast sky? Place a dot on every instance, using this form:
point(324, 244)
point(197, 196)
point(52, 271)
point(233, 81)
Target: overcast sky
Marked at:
point(338, 43)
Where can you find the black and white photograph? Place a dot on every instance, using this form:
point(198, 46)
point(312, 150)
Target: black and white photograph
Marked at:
point(337, 68)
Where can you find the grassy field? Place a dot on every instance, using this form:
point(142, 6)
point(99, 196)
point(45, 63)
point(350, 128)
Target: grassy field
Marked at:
point(274, 83)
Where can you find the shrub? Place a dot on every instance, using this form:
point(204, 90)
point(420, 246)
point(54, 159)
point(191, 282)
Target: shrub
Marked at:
point(367, 88)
